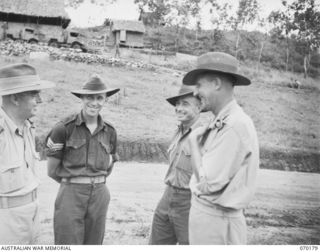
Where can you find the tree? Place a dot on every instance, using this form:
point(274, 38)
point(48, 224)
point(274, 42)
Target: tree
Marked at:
point(180, 14)
point(300, 21)
point(262, 23)
point(220, 16)
point(306, 26)
point(159, 8)
point(282, 22)
point(247, 13)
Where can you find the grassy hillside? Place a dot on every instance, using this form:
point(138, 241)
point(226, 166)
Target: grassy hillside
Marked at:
point(197, 42)
point(286, 119)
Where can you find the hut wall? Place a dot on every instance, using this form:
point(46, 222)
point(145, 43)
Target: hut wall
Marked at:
point(134, 39)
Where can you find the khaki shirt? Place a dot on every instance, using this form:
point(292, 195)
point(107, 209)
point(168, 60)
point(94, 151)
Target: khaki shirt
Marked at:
point(18, 175)
point(180, 170)
point(230, 160)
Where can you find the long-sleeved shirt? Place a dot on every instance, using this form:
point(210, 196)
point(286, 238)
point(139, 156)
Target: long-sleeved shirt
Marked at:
point(180, 170)
point(18, 175)
point(230, 160)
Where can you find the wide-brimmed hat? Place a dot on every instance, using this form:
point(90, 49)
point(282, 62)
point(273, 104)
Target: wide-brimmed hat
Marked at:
point(184, 91)
point(95, 86)
point(18, 78)
point(216, 62)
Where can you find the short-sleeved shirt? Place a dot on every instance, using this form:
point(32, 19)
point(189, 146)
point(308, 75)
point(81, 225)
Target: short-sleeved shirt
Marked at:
point(18, 174)
point(180, 170)
point(82, 153)
point(230, 160)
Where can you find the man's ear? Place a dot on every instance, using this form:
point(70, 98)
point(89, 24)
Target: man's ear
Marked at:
point(14, 99)
point(218, 83)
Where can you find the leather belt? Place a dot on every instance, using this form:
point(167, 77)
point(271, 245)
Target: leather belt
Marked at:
point(85, 180)
point(19, 200)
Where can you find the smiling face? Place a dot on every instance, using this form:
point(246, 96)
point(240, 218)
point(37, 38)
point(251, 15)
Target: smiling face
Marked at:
point(92, 104)
point(187, 109)
point(28, 102)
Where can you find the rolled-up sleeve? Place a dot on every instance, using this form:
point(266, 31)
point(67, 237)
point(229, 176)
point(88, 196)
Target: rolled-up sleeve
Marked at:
point(221, 162)
point(55, 141)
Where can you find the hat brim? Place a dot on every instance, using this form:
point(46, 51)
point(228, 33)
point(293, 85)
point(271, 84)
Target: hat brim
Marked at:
point(39, 85)
point(172, 100)
point(108, 92)
point(191, 77)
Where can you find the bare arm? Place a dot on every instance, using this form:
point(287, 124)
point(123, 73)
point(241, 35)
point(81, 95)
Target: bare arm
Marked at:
point(52, 166)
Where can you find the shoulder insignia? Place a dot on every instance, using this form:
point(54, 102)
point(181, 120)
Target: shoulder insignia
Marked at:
point(69, 119)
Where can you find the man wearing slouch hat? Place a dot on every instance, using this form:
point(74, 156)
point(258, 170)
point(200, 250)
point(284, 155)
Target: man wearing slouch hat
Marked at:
point(170, 220)
point(224, 155)
point(19, 209)
point(81, 151)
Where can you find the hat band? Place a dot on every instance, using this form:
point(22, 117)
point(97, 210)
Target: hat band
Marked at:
point(94, 87)
point(219, 67)
point(17, 82)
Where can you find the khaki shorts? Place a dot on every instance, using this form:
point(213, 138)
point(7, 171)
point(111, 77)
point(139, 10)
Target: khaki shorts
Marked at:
point(20, 225)
point(211, 226)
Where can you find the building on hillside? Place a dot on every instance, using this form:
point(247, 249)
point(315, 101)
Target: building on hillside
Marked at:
point(126, 33)
point(18, 16)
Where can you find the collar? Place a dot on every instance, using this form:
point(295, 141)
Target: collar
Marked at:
point(80, 120)
point(195, 125)
point(10, 123)
point(219, 120)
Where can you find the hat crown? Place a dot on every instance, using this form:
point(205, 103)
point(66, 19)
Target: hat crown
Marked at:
point(94, 84)
point(21, 77)
point(185, 90)
point(218, 61)
point(17, 70)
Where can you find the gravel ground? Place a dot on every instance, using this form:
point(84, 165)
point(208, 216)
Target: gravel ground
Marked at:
point(286, 208)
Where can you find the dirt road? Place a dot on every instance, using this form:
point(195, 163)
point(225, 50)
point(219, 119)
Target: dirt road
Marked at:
point(286, 208)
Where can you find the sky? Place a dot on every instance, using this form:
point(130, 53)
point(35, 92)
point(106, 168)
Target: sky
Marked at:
point(88, 14)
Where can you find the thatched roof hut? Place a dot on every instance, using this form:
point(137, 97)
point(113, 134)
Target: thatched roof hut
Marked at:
point(127, 33)
point(128, 25)
point(49, 12)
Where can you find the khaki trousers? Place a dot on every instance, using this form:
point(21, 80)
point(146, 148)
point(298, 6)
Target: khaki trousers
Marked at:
point(80, 214)
point(170, 220)
point(20, 225)
point(210, 225)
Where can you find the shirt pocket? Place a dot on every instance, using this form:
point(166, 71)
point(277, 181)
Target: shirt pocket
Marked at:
point(184, 169)
point(104, 153)
point(75, 155)
point(11, 178)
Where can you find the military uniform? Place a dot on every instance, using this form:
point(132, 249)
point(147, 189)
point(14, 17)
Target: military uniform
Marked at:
point(86, 160)
point(170, 220)
point(19, 208)
point(230, 160)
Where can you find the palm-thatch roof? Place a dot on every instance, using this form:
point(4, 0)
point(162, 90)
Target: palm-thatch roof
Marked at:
point(43, 9)
point(128, 25)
